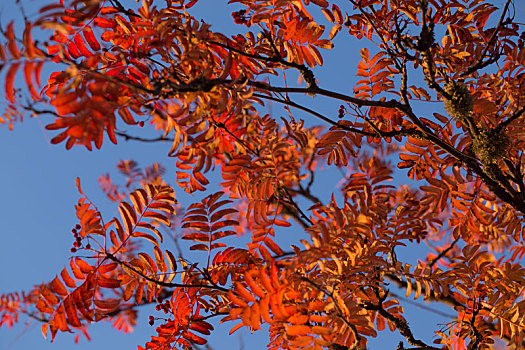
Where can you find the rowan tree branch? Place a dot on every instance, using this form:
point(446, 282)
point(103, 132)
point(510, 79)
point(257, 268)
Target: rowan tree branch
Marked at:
point(128, 137)
point(340, 313)
point(401, 324)
point(402, 132)
point(162, 283)
point(479, 63)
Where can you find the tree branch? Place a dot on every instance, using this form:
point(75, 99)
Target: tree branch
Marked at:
point(403, 132)
point(141, 139)
point(479, 63)
point(165, 284)
point(401, 324)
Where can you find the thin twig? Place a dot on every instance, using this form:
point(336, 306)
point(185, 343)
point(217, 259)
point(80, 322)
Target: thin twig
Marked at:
point(443, 252)
point(479, 63)
point(162, 283)
point(141, 139)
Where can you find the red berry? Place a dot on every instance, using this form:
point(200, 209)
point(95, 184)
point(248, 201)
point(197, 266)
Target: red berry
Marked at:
point(157, 307)
point(141, 124)
point(73, 250)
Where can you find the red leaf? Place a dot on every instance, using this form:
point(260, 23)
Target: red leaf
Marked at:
point(71, 313)
point(73, 50)
point(79, 42)
point(28, 69)
point(60, 319)
point(10, 82)
point(67, 279)
point(104, 22)
point(84, 266)
point(194, 338)
point(58, 287)
point(91, 39)
point(11, 44)
point(108, 282)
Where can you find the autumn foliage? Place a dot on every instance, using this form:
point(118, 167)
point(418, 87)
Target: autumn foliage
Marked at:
point(429, 138)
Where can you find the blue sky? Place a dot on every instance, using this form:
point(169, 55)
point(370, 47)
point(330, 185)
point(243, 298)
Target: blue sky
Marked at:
point(38, 195)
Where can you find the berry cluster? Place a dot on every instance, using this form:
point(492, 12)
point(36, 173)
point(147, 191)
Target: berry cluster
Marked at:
point(78, 240)
point(341, 111)
point(165, 307)
point(151, 320)
point(240, 17)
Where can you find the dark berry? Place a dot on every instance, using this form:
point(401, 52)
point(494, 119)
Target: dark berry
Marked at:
point(78, 227)
point(151, 318)
point(141, 124)
point(157, 307)
point(73, 250)
point(151, 322)
point(88, 246)
point(239, 17)
point(73, 231)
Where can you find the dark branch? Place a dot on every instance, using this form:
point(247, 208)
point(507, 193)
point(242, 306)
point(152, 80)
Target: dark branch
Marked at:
point(165, 284)
point(443, 252)
point(403, 132)
point(141, 139)
point(509, 120)
point(401, 324)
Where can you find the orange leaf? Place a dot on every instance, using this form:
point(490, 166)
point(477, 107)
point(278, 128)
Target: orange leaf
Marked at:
point(67, 279)
point(45, 326)
point(58, 287)
point(297, 329)
point(237, 301)
point(235, 328)
point(11, 44)
point(73, 50)
point(60, 319)
point(10, 82)
point(107, 267)
point(254, 286)
point(322, 3)
point(71, 312)
point(104, 22)
point(108, 304)
point(79, 42)
point(108, 282)
point(91, 39)
point(84, 266)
